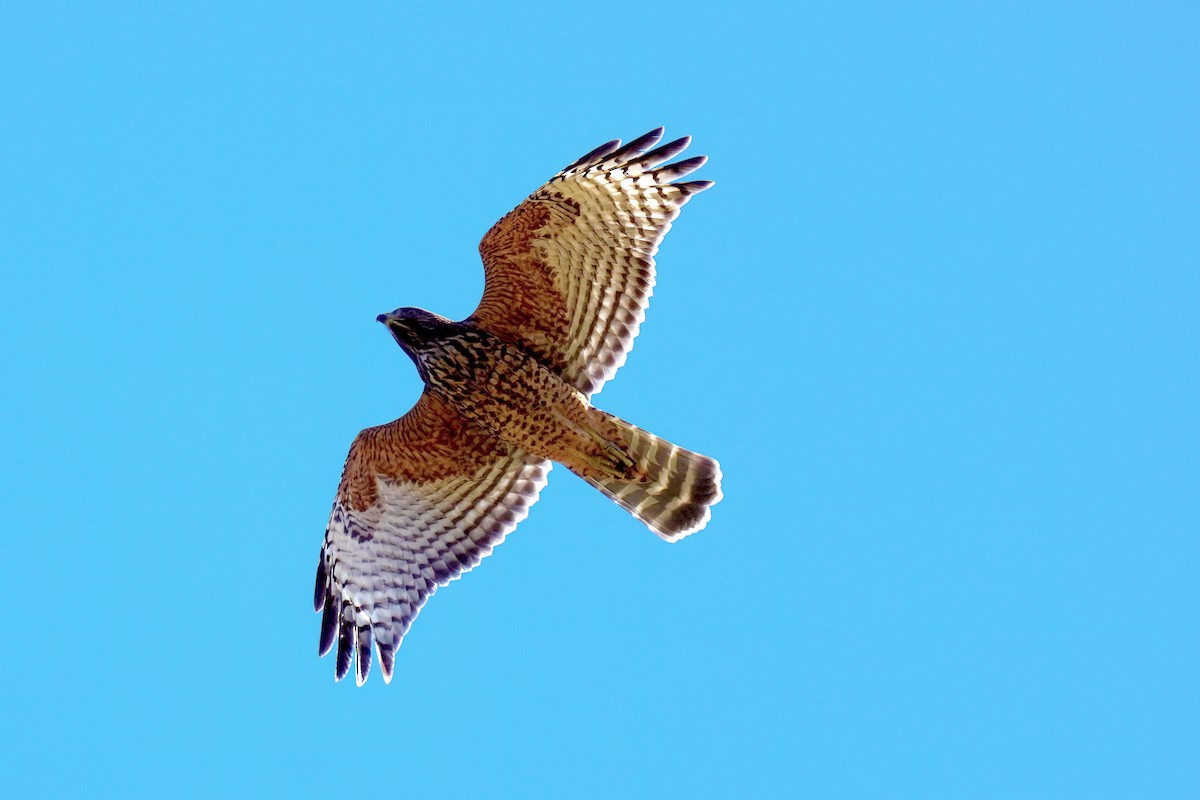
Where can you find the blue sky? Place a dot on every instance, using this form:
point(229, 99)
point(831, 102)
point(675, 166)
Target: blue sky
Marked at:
point(938, 321)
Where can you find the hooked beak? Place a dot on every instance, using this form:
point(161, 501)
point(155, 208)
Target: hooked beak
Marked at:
point(396, 326)
point(393, 323)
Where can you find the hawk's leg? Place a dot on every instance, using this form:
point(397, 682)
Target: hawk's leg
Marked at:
point(603, 457)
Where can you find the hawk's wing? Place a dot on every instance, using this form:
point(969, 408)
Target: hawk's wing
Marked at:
point(421, 501)
point(569, 272)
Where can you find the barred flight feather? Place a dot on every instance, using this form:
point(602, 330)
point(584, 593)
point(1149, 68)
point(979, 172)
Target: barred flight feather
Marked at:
point(380, 563)
point(592, 232)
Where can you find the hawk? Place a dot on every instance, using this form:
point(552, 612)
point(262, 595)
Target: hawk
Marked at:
point(422, 499)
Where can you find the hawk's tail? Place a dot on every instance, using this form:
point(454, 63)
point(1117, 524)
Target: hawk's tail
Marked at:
point(678, 488)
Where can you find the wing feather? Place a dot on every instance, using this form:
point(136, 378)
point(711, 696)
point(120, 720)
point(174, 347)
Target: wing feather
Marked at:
point(569, 272)
point(422, 500)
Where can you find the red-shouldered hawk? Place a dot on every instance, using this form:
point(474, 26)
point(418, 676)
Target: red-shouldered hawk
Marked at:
point(569, 273)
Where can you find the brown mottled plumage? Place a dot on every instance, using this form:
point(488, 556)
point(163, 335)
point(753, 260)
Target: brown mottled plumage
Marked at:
point(422, 499)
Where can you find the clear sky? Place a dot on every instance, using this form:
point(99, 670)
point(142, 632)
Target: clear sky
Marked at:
point(939, 320)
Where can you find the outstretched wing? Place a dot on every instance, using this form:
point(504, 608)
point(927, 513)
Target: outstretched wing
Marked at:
point(569, 272)
point(421, 501)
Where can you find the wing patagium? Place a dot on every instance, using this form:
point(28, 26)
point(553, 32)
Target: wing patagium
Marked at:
point(569, 272)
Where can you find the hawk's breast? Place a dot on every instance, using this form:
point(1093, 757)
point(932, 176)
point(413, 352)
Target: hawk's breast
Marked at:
point(503, 389)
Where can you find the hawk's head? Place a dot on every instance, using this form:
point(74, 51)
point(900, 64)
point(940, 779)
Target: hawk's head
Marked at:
point(413, 328)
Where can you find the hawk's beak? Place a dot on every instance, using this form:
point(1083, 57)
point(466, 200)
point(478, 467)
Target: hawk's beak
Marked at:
point(391, 321)
point(396, 326)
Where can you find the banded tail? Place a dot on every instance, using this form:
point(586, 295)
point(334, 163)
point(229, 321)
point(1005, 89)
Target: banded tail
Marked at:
point(681, 489)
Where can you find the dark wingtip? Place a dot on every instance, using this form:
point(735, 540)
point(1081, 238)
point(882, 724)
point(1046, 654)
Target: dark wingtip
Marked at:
point(638, 145)
point(597, 154)
point(693, 187)
point(667, 151)
point(387, 661)
point(345, 653)
point(328, 627)
point(680, 168)
point(364, 654)
point(319, 589)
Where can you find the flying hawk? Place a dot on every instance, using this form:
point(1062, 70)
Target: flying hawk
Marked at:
point(569, 273)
